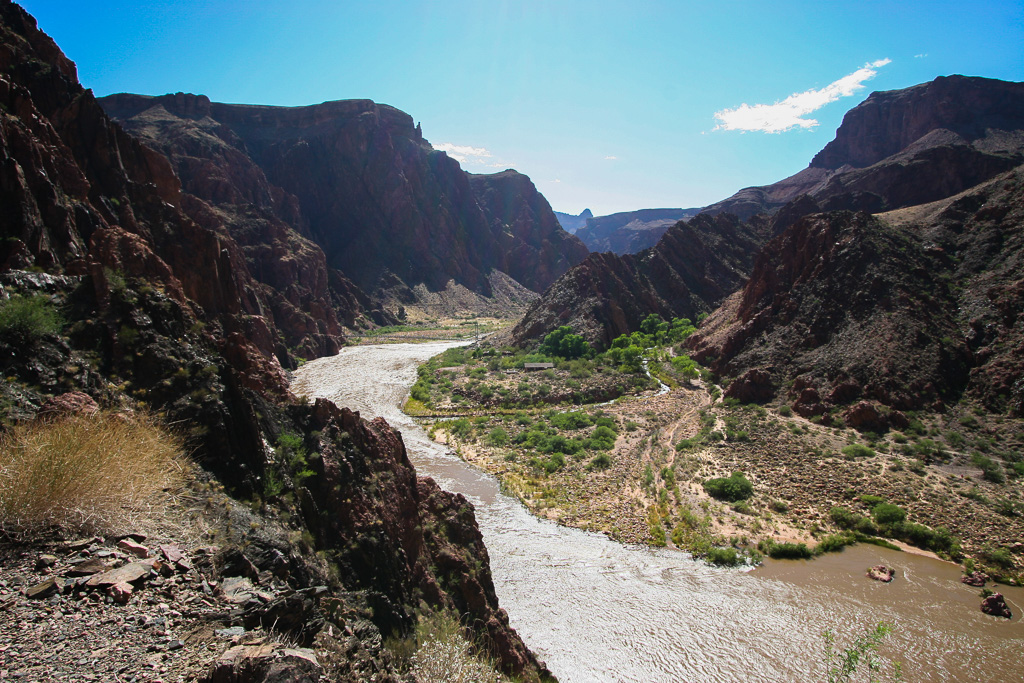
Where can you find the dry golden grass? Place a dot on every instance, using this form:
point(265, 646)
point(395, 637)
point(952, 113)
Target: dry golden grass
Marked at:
point(85, 473)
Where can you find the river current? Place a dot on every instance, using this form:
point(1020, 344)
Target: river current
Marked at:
point(596, 610)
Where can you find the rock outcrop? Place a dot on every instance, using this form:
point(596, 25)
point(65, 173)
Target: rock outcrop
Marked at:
point(882, 573)
point(690, 271)
point(995, 605)
point(907, 310)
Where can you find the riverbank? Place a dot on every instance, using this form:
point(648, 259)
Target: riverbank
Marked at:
point(595, 609)
point(811, 483)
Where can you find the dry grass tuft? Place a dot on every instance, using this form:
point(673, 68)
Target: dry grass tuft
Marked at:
point(445, 655)
point(85, 474)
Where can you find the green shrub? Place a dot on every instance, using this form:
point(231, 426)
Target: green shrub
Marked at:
point(834, 543)
point(723, 557)
point(857, 450)
point(601, 461)
point(602, 439)
point(571, 420)
point(785, 411)
point(1000, 557)
point(733, 488)
point(497, 437)
point(887, 513)
point(24, 320)
point(785, 551)
point(460, 427)
point(990, 470)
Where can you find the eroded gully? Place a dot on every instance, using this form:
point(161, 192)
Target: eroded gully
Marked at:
point(596, 610)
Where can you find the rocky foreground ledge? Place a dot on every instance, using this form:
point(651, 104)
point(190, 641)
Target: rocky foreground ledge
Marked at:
point(138, 609)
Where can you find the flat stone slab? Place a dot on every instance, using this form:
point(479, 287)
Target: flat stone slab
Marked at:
point(44, 589)
point(129, 573)
point(88, 568)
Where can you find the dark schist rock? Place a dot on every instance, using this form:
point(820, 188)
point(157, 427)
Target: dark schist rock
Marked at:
point(995, 605)
point(694, 266)
point(976, 579)
point(161, 306)
point(876, 315)
point(843, 306)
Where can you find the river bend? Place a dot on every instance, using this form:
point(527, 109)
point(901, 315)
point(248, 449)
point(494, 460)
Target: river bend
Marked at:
point(596, 610)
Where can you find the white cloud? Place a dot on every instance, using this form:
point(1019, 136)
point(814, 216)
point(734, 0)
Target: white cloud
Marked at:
point(464, 153)
point(921, 56)
point(791, 112)
point(610, 158)
point(472, 156)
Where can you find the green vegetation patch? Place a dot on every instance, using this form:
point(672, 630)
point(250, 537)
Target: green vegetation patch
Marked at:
point(732, 488)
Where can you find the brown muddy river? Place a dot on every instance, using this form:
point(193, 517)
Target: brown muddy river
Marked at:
point(595, 610)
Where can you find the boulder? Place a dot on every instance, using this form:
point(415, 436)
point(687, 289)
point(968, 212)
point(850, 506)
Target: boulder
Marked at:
point(133, 548)
point(121, 592)
point(265, 662)
point(881, 573)
point(865, 417)
point(71, 403)
point(753, 386)
point(129, 573)
point(996, 605)
point(976, 579)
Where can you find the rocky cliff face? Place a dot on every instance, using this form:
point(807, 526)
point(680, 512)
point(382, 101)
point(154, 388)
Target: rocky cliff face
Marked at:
point(691, 270)
point(85, 196)
point(837, 302)
point(906, 147)
point(532, 246)
point(358, 179)
point(911, 309)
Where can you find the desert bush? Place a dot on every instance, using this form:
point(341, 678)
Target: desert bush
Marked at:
point(857, 450)
point(601, 461)
point(571, 420)
point(460, 427)
point(497, 437)
point(834, 543)
point(733, 488)
point(723, 557)
point(785, 551)
point(25, 319)
point(887, 513)
point(444, 654)
point(602, 439)
point(84, 473)
point(990, 470)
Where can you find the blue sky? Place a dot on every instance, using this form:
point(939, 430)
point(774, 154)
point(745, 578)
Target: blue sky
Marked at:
point(606, 105)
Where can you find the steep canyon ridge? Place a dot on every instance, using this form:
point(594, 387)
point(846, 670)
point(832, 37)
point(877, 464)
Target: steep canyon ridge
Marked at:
point(172, 258)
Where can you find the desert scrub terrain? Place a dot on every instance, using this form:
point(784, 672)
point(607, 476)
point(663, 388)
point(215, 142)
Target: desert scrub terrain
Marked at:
point(947, 484)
